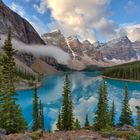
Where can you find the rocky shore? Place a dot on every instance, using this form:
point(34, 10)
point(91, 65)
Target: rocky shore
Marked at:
point(123, 133)
point(127, 80)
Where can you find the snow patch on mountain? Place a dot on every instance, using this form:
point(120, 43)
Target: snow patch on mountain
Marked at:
point(68, 44)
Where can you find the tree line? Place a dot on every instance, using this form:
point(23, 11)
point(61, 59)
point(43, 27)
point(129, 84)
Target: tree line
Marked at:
point(11, 117)
point(104, 117)
point(126, 71)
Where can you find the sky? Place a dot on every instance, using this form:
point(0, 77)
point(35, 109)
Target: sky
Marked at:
point(94, 20)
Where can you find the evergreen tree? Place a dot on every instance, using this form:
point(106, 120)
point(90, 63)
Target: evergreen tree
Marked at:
point(70, 112)
point(98, 114)
point(138, 117)
point(59, 122)
point(102, 115)
point(67, 107)
point(107, 117)
point(41, 116)
point(87, 125)
point(76, 125)
point(124, 71)
point(35, 125)
point(126, 113)
point(112, 114)
point(11, 117)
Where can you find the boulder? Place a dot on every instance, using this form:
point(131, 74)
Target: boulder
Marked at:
point(126, 128)
point(2, 133)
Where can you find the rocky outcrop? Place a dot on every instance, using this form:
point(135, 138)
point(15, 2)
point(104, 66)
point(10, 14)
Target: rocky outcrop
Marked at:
point(121, 53)
point(126, 128)
point(120, 48)
point(72, 45)
point(55, 38)
point(21, 28)
point(2, 133)
point(91, 51)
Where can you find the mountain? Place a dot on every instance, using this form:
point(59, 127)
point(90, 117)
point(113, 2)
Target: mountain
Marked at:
point(82, 54)
point(119, 49)
point(21, 28)
point(23, 33)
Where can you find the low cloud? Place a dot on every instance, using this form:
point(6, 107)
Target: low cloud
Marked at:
point(41, 50)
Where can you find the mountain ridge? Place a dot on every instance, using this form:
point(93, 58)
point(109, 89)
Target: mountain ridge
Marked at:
point(21, 28)
point(82, 54)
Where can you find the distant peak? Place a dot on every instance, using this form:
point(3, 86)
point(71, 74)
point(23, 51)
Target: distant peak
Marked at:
point(87, 42)
point(119, 39)
point(55, 31)
point(72, 37)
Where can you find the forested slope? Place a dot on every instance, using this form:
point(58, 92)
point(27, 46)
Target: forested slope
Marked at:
point(125, 71)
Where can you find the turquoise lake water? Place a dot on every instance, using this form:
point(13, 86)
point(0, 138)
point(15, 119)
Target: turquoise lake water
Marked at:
point(85, 88)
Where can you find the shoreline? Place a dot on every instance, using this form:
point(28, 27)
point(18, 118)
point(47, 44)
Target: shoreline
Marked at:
point(127, 80)
point(30, 88)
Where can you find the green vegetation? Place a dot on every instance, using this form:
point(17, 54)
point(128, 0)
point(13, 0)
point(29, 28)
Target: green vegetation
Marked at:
point(138, 117)
point(102, 115)
point(41, 116)
point(112, 114)
point(87, 125)
point(126, 113)
point(66, 118)
point(128, 135)
point(38, 112)
point(59, 122)
point(76, 125)
point(21, 72)
point(11, 117)
point(12, 121)
point(126, 71)
point(35, 125)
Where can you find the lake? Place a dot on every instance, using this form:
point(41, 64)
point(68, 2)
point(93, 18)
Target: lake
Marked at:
point(85, 89)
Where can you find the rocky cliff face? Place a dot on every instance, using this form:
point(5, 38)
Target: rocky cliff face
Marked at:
point(71, 45)
point(81, 53)
point(22, 31)
point(120, 48)
point(21, 28)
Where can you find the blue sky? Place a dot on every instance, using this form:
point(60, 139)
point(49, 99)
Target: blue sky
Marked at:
point(90, 19)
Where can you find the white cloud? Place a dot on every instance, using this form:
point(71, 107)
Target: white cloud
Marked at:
point(82, 17)
point(130, 30)
point(133, 103)
point(85, 107)
point(17, 8)
point(131, 7)
point(41, 50)
point(42, 8)
point(34, 20)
